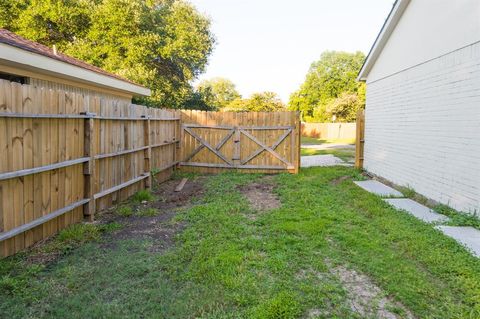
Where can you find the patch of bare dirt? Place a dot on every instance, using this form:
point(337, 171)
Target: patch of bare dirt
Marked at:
point(37, 255)
point(363, 296)
point(328, 310)
point(314, 313)
point(260, 195)
point(366, 298)
point(169, 199)
point(161, 228)
point(339, 180)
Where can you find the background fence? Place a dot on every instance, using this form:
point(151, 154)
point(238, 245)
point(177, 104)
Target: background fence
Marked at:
point(252, 142)
point(63, 155)
point(329, 131)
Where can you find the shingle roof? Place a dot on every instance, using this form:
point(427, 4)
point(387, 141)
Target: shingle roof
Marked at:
point(13, 39)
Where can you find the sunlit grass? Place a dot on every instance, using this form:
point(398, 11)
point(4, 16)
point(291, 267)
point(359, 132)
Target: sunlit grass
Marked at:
point(227, 265)
point(312, 140)
point(345, 154)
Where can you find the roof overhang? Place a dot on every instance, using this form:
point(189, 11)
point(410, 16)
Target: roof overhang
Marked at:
point(17, 57)
point(387, 29)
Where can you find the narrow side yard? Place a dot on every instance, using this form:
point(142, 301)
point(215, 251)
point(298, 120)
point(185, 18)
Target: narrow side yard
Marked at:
point(312, 245)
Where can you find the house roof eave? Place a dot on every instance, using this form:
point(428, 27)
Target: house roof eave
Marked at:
point(388, 27)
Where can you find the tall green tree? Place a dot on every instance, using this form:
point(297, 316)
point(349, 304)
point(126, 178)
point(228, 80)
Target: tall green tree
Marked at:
point(258, 102)
point(328, 79)
point(195, 101)
point(218, 92)
point(342, 109)
point(162, 44)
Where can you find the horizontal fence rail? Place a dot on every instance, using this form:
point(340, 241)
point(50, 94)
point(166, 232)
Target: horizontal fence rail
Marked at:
point(41, 169)
point(83, 116)
point(37, 222)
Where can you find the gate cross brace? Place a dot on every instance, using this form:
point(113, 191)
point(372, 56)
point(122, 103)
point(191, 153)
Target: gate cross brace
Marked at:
point(271, 150)
point(207, 145)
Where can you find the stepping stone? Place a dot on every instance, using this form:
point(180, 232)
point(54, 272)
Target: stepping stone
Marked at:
point(468, 236)
point(378, 188)
point(418, 210)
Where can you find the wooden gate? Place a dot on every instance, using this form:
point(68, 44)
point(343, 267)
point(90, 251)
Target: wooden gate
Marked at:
point(258, 142)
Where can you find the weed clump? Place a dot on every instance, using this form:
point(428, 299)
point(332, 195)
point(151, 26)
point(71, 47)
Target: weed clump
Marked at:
point(147, 212)
point(142, 196)
point(125, 211)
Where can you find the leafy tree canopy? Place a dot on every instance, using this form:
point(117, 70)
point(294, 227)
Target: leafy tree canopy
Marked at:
point(162, 44)
point(218, 92)
point(343, 109)
point(258, 102)
point(331, 88)
point(195, 101)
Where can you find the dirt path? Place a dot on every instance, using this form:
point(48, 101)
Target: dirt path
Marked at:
point(366, 298)
point(161, 227)
point(260, 194)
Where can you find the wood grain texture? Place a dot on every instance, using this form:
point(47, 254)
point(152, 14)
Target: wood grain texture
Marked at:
point(254, 142)
point(360, 139)
point(60, 148)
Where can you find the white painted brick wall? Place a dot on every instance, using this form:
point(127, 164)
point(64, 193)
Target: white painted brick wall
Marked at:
point(423, 128)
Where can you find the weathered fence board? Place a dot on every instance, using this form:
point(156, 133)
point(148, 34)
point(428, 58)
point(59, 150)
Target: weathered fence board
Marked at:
point(64, 156)
point(252, 142)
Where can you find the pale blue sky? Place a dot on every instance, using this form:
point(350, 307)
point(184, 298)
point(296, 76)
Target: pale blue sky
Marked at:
point(268, 45)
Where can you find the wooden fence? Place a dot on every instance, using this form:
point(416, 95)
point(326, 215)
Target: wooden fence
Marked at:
point(252, 142)
point(329, 131)
point(65, 155)
point(360, 139)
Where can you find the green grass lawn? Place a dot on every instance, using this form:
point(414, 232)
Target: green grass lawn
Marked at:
point(346, 154)
point(313, 141)
point(230, 261)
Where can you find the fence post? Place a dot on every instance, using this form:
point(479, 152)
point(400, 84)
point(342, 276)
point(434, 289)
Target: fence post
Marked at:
point(177, 153)
point(360, 139)
point(89, 167)
point(298, 132)
point(148, 151)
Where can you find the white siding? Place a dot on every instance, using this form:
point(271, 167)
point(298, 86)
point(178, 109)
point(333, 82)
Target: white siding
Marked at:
point(423, 128)
point(426, 30)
